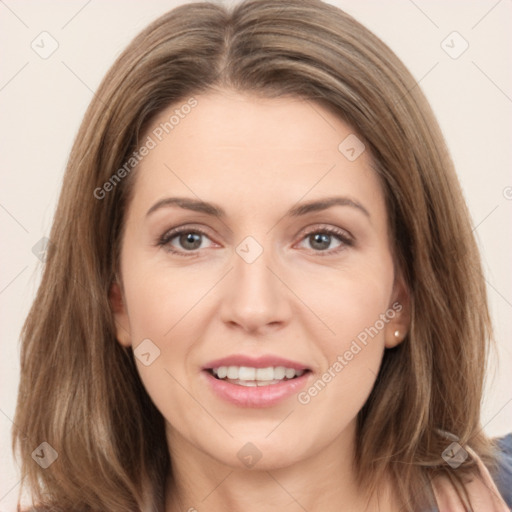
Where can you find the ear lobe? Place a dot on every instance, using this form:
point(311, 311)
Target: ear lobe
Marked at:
point(394, 338)
point(120, 315)
point(399, 325)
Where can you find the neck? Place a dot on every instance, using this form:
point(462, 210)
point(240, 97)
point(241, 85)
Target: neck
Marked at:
point(322, 482)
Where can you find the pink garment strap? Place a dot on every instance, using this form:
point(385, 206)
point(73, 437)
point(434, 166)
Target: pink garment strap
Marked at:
point(479, 494)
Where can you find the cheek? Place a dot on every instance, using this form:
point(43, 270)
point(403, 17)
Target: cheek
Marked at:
point(157, 298)
point(354, 309)
point(163, 317)
point(165, 308)
point(349, 302)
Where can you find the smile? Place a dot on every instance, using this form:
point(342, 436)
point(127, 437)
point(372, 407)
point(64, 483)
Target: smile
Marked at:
point(252, 377)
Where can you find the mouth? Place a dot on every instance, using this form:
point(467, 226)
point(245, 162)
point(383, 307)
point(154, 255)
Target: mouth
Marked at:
point(255, 383)
point(255, 377)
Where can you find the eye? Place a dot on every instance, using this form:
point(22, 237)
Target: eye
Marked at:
point(188, 240)
point(320, 239)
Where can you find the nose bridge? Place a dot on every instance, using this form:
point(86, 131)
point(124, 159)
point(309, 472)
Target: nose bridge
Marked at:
point(256, 297)
point(254, 283)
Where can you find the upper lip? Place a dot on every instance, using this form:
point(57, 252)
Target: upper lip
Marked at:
point(254, 362)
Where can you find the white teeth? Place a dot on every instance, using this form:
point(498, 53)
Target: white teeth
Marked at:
point(222, 372)
point(256, 376)
point(266, 382)
point(289, 373)
point(279, 372)
point(246, 373)
point(266, 373)
point(232, 372)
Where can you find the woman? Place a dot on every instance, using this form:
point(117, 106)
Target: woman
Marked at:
point(300, 353)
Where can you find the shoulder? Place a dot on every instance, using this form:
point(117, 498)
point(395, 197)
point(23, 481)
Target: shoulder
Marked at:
point(503, 476)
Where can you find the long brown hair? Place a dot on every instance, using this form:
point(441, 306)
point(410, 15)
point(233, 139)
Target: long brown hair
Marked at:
point(79, 389)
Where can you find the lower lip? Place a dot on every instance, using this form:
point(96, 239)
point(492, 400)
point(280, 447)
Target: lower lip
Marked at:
point(259, 396)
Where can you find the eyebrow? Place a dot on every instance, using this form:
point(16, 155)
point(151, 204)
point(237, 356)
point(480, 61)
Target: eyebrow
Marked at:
point(297, 211)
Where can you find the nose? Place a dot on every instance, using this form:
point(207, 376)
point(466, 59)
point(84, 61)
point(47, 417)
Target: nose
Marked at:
point(255, 299)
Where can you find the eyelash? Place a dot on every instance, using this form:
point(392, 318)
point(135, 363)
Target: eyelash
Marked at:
point(165, 239)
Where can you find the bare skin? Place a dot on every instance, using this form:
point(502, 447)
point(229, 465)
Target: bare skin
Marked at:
point(304, 298)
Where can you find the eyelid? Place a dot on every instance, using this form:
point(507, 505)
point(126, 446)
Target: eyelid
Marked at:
point(184, 227)
point(328, 228)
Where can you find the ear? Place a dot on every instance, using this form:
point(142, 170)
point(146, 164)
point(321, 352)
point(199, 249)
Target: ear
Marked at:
point(117, 304)
point(399, 324)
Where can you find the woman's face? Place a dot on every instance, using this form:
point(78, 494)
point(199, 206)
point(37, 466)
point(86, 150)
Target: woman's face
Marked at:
point(262, 279)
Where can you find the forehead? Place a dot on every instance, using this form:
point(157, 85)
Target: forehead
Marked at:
point(245, 149)
point(244, 122)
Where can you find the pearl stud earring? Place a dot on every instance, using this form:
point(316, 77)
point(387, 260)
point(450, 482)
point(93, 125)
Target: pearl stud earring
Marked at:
point(397, 333)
